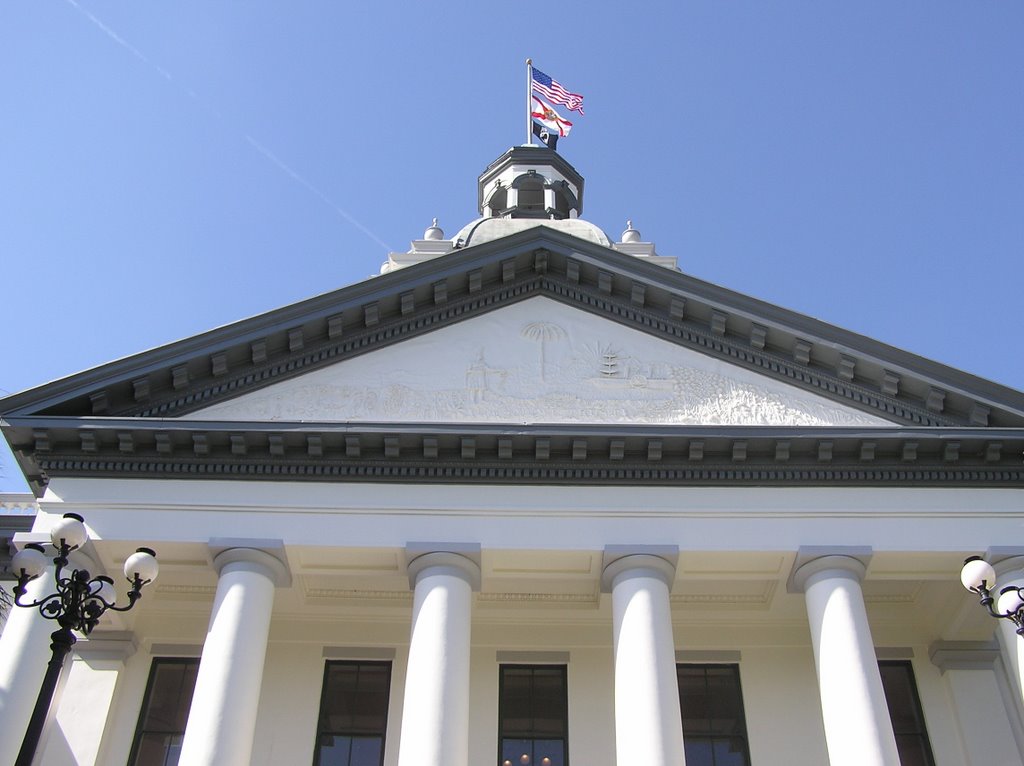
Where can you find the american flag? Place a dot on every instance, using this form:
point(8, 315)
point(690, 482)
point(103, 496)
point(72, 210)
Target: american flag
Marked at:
point(552, 90)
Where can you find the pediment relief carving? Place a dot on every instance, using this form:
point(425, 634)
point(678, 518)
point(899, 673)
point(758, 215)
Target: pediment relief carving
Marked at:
point(538, 361)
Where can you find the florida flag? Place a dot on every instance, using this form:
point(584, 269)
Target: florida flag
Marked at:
point(549, 118)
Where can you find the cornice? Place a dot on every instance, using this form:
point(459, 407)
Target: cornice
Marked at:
point(544, 454)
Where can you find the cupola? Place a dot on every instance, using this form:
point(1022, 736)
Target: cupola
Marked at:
point(530, 182)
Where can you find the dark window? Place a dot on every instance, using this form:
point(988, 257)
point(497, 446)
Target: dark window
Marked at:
point(905, 713)
point(533, 716)
point(164, 712)
point(714, 729)
point(353, 714)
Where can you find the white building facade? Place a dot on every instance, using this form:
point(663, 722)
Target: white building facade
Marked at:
point(530, 496)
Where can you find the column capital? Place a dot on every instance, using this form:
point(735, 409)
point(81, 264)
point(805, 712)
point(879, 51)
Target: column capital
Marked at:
point(267, 557)
point(457, 559)
point(658, 561)
point(810, 560)
point(110, 645)
point(1006, 559)
point(964, 655)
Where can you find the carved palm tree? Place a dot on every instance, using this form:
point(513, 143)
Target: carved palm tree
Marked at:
point(543, 332)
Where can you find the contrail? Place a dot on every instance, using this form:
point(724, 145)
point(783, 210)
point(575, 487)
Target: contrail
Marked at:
point(267, 154)
point(120, 40)
point(326, 200)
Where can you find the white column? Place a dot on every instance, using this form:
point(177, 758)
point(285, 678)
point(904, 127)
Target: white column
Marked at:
point(24, 653)
point(858, 731)
point(222, 720)
point(435, 713)
point(648, 723)
point(1010, 571)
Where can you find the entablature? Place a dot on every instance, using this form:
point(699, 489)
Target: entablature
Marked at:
point(528, 454)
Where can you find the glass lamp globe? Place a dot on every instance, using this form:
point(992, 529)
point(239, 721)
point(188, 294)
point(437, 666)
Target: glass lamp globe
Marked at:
point(1010, 600)
point(142, 563)
point(30, 560)
point(977, 573)
point(105, 589)
point(71, 530)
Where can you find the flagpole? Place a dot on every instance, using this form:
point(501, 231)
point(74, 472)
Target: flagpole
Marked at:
point(529, 104)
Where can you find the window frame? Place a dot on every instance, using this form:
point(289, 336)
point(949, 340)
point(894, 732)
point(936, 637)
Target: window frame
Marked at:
point(147, 697)
point(734, 667)
point(915, 699)
point(564, 668)
point(323, 691)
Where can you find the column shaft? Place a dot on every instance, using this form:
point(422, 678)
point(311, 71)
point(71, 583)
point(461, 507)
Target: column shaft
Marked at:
point(858, 731)
point(222, 720)
point(435, 713)
point(1011, 572)
point(24, 653)
point(648, 723)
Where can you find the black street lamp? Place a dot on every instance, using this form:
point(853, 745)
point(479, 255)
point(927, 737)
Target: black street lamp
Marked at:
point(78, 604)
point(979, 577)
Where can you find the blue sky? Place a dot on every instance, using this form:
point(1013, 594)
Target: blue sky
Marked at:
point(169, 167)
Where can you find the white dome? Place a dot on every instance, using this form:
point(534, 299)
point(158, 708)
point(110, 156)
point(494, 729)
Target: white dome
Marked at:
point(488, 229)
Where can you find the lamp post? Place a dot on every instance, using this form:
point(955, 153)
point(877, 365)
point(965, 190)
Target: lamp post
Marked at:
point(979, 577)
point(78, 604)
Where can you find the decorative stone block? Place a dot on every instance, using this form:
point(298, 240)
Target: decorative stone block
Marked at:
point(219, 364)
point(758, 335)
point(140, 388)
point(677, 307)
point(846, 367)
point(936, 400)
point(979, 414)
point(99, 402)
point(890, 383)
point(440, 292)
point(572, 271)
point(638, 294)
point(407, 303)
point(179, 377)
point(718, 320)
point(335, 326)
point(802, 352)
point(542, 449)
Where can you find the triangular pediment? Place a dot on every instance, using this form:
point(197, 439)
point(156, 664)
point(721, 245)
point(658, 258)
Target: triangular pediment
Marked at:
point(537, 361)
point(441, 361)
